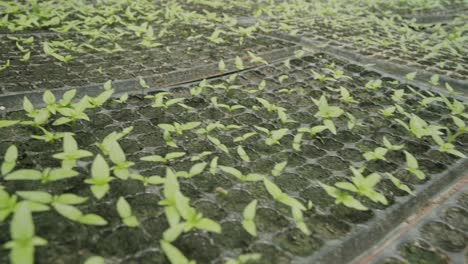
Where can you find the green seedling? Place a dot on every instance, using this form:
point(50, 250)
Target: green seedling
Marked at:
point(388, 112)
point(399, 184)
point(117, 156)
point(456, 107)
point(447, 147)
point(450, 90)
point(337, 74)
point(342, 197)
point(268, 106)
point(352, 122)
point(40, 116)
point(222, 66)
point(364, 186)
point(214, 165)
point(201, 156)
point(390, 146)
point(313, 131)
point(322, 78)
point(282, 197)
point(168, 139)
point(171, 187)
point(284, 118)
point(160, 102)
point(248, 221)
point(215, 141)
point(125, 213)
point(101, 99)
point(245, 33)
point(297, 141)
point(326, 111)
point(95, 260)
point(67, 98)
point(49, 51)
point(9, 160)
point(245, 258)
point(173, 254)
point(299, 220)
point(243, 154)
point(279, 168)
point(215, 37)
point(47, 175)
point(462, 128)
point(151, 180)
point(240, 176)
point(5, 66)
point(200, 88)
point(178, 128)
point(398, 96)
point(7, 204)
point(48, 136)
point(238, 63)
point(299, 53)
point(373, 85)
point(195, 170)
point(230, 108)
point(275, 136)
point(377, 154)
point(144, 86)
point(346, 96)
point(122, 99)
point(71, 153)
point(410, 76)
point(216, 125)
point(166, 159)
point(245, 136)
point(74, 214)
point(413, 167)
point(49, 98)
point(283, 78)
point(256, 59)
point(100, 177)
point(107, 142)
point(434, 80)
point(46, 198)
point(73, 113)
point(23, 239)
point(419, 128)
point(194, 219)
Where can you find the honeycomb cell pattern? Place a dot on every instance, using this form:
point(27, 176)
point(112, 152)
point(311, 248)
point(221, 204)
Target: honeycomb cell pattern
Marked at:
point(439, 237)
point(322, 158)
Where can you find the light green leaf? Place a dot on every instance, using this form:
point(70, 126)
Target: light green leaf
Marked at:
point(279, 167)
point(173, 254)
point(242, 154)
point(7, 123)
point(197, 169)
point(95, 260)
point(10, 158)
point(36, 196)
point(24, 175)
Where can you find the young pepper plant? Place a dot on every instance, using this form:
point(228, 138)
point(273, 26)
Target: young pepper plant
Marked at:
point(364, 186)
point(280, 196)
point(71, 153)
point(239, 175)
point(125, 213)
point(342, 197)
point(100, 177)
point(413, 167)
point(23, 238)
point(248, 221)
